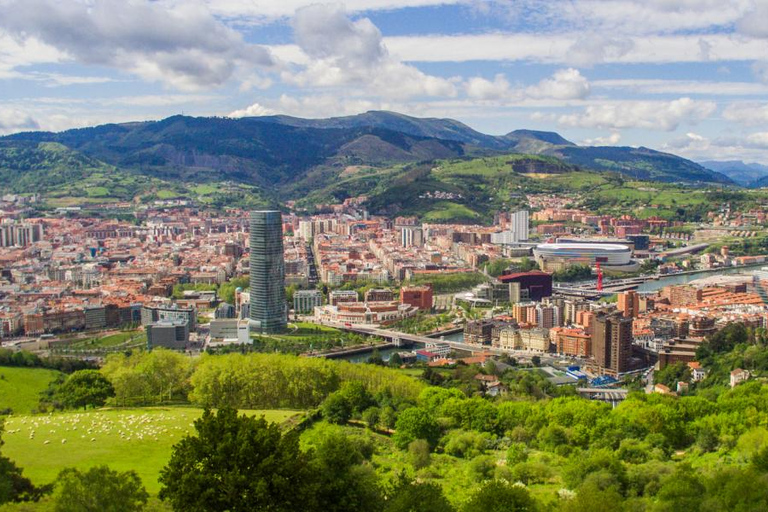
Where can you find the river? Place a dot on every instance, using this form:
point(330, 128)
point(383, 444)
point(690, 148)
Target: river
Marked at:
point(652, 286)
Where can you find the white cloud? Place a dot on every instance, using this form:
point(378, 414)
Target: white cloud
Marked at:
point(705, 87)
point(653, 115)
point(752, 147)
point(565, 84)
point(753, 23)
point(611, 140)
point(483, 89)
point(311, 106)
point(595, 48)
point(14, 120)
point(748, 113)
point(179, 44)
point(558, 48)
point(255, 110)
point(268, 10)
point(342, 52)
point(758, 140)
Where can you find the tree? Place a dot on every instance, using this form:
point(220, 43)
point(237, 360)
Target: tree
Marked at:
point(395, 360)
point(84, 388)
point(498, 496)
point(371, 416)
point(253, 464)
point(336, 408)
point(410, 496)
point(345, 479)
point(99, 489)
point(419, 454)
point(416, 423)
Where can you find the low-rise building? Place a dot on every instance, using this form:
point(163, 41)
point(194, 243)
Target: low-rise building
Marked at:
point(305, 301)
point(173, 334)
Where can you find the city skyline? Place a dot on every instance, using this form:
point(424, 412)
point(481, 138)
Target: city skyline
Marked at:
point(684, 77)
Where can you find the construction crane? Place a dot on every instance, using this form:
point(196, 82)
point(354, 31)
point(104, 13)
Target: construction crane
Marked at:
point(599, 278)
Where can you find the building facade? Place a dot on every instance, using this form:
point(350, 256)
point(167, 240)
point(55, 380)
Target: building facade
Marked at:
point(268, 306)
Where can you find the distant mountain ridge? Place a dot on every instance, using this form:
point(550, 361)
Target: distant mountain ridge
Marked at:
point(286, 156)
point(746, 174)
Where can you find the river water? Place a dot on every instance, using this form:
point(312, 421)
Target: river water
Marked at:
point(652, 286)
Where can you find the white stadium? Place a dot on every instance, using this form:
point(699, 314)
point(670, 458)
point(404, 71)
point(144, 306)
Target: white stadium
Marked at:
point(609, 255)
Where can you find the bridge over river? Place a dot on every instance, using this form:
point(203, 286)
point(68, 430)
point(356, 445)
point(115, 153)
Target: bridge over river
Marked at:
point(402, 339)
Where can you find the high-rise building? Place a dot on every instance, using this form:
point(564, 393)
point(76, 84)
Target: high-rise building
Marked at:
point(519, 223)
point(612, 343)
point(629, 303)
point(267, 304)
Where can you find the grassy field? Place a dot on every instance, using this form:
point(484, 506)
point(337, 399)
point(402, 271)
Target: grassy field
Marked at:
point(137, 337)
point(124, 439)
point(20, 388)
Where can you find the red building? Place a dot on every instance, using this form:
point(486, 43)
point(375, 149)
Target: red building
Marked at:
point(417, 296)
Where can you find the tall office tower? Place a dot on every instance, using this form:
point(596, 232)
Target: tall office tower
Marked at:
point(519, 223)
point(268, 306)
point(612, 343)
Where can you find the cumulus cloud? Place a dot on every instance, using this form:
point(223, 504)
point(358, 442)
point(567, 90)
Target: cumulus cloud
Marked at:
point(179, 44)
point(753, 146)
point(565, 84)
point(654, 115)
point(595, 49)
point(482, 89)
point(753, 22)
point(255, 110)
point(14, 120)
point(311, 106)
point(611, 140)
point(748, 113)
point(346, 52)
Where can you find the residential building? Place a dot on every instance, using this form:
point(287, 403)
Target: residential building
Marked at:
point(611, 343)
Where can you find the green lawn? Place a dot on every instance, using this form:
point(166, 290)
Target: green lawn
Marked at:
point(448, 210)
point(20, 388)
point(124, 439)
point(137, 337)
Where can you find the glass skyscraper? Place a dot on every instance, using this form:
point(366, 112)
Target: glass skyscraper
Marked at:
point(268, 306)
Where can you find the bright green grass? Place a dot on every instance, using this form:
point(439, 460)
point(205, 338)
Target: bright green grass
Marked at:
point(205, 190)
point(309, 326)
point(134, 337)
point(97, 191)
point(124, 439)
point(447, 210)
point(20, 388)
point(168, 194)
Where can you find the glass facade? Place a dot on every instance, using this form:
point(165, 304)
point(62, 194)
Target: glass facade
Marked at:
point(268, 307)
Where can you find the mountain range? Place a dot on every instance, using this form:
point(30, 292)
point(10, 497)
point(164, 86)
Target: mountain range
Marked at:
point(286, 157)
point(745, 174)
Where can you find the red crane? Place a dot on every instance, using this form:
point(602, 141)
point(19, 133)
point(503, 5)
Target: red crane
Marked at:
point(599, 278)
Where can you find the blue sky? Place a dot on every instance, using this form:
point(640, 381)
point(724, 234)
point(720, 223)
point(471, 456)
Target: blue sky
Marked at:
point(685, 76)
